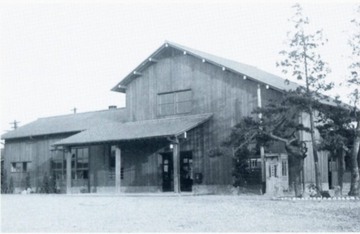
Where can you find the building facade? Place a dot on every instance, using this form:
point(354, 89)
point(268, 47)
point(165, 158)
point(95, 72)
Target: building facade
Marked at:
point(180, 106)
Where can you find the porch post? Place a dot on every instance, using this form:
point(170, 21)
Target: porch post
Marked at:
point(68, 170)
point(118, 169)
point(176, 165)
point(262, 151)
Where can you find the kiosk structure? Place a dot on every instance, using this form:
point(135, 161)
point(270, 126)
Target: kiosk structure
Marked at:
point(277, 174)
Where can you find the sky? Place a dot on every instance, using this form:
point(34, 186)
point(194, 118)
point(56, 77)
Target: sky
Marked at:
point(57, 55)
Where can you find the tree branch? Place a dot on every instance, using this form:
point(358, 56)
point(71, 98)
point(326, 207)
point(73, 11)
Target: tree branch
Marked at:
point(278, 138)
point(245, 142)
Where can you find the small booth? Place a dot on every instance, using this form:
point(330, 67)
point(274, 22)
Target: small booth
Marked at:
point(277, 174)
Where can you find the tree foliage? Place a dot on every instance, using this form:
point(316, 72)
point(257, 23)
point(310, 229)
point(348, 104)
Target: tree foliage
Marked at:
point(279, 123)
point(303, 61)
point(335, 128)
point(337, 135)
point(4, 185)
point(354, 82)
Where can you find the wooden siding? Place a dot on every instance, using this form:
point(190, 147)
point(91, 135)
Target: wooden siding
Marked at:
point(35, 150)
point(225, 94)
point(141, 162)
point(309, 172)
point(99, 167)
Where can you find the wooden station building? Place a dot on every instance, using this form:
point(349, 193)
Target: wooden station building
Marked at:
point(180, 105)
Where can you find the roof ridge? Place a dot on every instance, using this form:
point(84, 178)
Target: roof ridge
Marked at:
point(203, 52)
point(81, 113)
point(251, 71)
point(169, 118)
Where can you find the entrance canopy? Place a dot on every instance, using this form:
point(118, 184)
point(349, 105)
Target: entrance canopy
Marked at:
point(136, 130)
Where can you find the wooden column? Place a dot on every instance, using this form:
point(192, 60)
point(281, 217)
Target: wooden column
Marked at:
point(262, 152)
point(176, 165)
point(68, 170)
point(118, 169)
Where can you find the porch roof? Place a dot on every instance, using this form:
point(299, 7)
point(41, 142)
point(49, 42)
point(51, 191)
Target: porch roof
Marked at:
point(136, 130)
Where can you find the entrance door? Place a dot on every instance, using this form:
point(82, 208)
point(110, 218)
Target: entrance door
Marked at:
point(186, 180)
point(167, 172)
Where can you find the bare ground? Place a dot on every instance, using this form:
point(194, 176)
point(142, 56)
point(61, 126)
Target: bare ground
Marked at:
point(101, 213)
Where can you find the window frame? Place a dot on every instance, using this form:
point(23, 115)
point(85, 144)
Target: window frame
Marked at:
point(174, 102)
point(59, 171)
point(20, 167)
point(75, 170)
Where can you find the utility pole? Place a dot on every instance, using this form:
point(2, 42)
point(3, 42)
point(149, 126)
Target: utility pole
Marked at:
point(14, 124)
point(74, 110)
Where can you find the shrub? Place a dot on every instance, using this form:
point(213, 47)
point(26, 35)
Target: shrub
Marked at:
point(27, 181)
point(48, 184)
point(4, 185)
point(52, 184)
point(45, 186)
point(325, 194)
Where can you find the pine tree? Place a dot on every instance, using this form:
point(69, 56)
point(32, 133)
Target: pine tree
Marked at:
point(304, 63)
point(279, 123)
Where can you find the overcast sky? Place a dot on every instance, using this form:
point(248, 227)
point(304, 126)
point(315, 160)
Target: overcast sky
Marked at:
point(54, 57)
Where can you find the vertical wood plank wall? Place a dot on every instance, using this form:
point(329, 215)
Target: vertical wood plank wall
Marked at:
point(36, 150)
point(222, 93)
point(309, 172)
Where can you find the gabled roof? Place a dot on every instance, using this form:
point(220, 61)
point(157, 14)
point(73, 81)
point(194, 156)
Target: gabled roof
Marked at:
point(172, 126)
point(250, 72)
point(67, 123)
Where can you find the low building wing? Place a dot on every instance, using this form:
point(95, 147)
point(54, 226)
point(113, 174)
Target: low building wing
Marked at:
point(67, 123)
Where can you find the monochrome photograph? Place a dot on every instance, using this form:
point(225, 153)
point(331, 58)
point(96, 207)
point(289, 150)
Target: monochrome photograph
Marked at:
point(180, 116)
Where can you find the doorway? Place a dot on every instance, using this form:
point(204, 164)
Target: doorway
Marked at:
point(186, 175)
point(186, 180)
point(167, 172)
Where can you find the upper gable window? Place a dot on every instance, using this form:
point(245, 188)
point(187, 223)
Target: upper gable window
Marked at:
point(177, 102)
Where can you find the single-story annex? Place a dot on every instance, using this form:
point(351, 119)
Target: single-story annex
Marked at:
point(180, 105)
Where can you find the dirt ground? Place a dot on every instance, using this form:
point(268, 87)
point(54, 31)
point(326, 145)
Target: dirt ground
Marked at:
point(105, 213)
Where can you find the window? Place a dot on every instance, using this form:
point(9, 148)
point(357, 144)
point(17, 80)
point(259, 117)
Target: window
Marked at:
point(254, 163)
point(122, 173)
point(58, 165)
point(275, 170)
point(270, 171)
point(20, 166)
point(284, 168)
point(80, 163)
point(112, 157)
point(177, 102)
